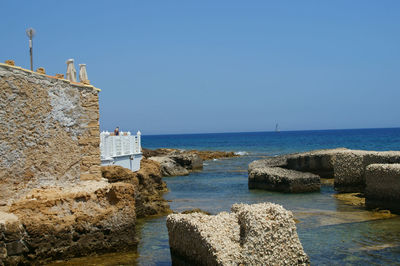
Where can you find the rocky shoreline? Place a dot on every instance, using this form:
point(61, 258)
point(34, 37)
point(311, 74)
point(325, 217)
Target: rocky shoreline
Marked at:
point(96, 216)
point(374, 174)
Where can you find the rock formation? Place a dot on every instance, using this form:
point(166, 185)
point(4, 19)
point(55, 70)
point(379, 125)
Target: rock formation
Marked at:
point(56, 223)
point(346, 166)
point(383, 186)
point(258, 234)
point(350, 166)
point(176, 162)
point(150, 186)
point(284, 180)
point(298, 172)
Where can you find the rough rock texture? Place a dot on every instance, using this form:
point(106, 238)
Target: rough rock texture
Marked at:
point(284, 180)
point(71, 221)
point(177, 162)
point(150, 186)
point(298, 172)
point(349, 167)
point(49, 132)
point(346, 166)
point(169, 167)
point(204, 155)
point(319, 162)
point(259, 234)
point(383, 186)
point(210, 155)
point(277, 161)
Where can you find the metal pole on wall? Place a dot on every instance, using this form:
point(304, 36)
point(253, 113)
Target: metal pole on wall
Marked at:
point(31, 32)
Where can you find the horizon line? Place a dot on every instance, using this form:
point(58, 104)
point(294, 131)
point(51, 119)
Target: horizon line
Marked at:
point(261, 131)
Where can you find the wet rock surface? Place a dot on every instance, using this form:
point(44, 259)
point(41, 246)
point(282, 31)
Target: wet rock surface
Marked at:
point(258, 234)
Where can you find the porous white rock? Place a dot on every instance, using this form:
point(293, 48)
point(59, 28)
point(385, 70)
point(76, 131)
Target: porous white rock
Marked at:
point(258, 234)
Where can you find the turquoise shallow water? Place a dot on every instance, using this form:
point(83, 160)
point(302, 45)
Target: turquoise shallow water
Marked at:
point(332, 233)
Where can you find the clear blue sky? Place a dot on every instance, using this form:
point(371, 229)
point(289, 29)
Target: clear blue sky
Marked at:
point(221, 66)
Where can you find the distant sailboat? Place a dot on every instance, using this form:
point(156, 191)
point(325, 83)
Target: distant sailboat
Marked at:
point(277, 128)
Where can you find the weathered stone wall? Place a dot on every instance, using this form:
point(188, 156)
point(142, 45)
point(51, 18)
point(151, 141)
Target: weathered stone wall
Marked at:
point(49, 132)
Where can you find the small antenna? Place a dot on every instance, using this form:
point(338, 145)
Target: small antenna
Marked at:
point(31, 33)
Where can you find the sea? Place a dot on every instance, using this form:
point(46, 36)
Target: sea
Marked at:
point(332, 231)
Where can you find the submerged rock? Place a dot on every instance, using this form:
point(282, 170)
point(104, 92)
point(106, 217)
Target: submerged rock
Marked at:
point(258, 234)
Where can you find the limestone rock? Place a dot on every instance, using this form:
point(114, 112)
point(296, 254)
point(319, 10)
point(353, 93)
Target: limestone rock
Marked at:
point(259, 234)
point(349, 167)
point(75, 221)
point(346, 166)
point(149, 184)
point(383, 186)
point(60, 76)
point(284, 180)
point(204, 155)
point(169, 167)
point(190, 161)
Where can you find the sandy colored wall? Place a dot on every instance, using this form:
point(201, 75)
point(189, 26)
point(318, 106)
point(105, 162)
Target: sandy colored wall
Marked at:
point(49, 132)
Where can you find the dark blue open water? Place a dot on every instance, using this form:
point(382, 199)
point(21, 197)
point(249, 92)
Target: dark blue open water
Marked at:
point(332, 232)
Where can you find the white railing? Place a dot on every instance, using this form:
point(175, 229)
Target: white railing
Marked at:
point(115, 146)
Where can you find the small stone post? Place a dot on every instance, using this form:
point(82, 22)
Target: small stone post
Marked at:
point(83, 77)
point(139, 141)
point(71, 72)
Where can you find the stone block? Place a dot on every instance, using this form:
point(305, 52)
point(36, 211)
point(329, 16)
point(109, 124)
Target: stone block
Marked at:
point(60, 76)
point(258, 234)
point(383, 186)
point(283, 180)
point(349, 167)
